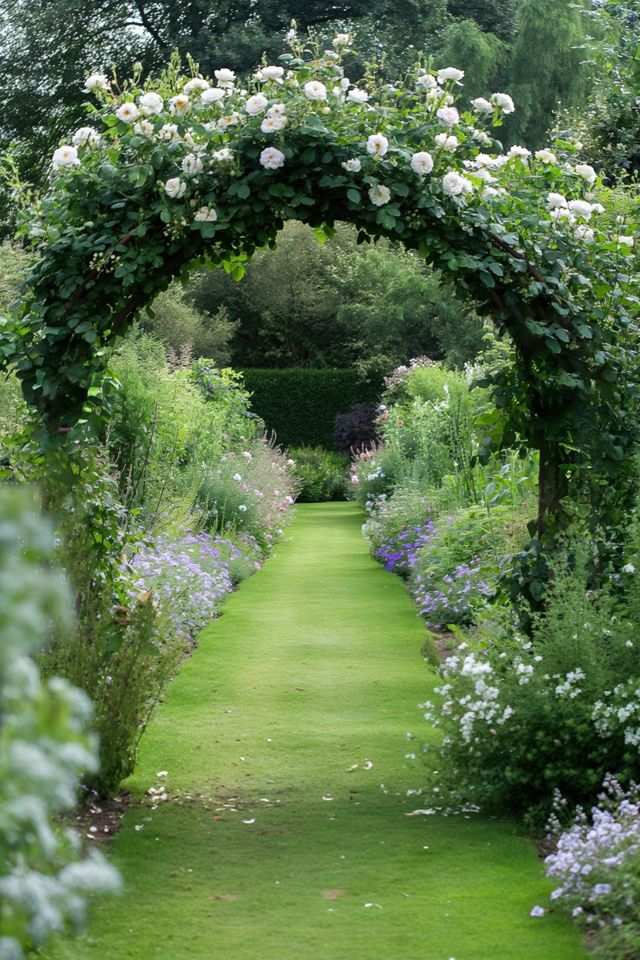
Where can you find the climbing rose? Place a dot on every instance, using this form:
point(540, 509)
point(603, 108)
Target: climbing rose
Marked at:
point(427, 81)
point(144, 128)
point(422, 163)
point(379, 195)
point(223, 154)
point(556, 200)
point(128, 112)
point(450, 73)
point(197, 83)
point(585, 233)
point(225, 77)
point(179, 103)
point(581, 208)
point(277, 110)
point(358, 96)
point(314, 90)
point(448, 115)
point(453, 184)
point(625, 241)
point(341, 39)
point(150, 104)
point(272, 73)
point(256, 104)
point(447, 142)
point(168, 131)
point(587, 172)
point(273, 124)
point(504, 102)
point(272, 159)
point(481, 105)
point(521, 152)
point(97, 81)
point(353, 165)
point(192, 164)
point(206, 214)
point(545, 156)
point(85, 136)
point(212, 95)
point(175, 188)
point(377, 145)
point(65, 157)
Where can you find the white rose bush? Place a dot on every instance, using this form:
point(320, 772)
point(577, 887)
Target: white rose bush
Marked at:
point(44, 750)
point(416, 161)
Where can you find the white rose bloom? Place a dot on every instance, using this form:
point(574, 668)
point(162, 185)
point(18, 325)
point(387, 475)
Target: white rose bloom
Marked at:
point(448, 115)
point(273, 124)
point(447, 142)
point(272, 73)
point(520, 152)
point(256, 104)
point(377, 145)
point(625, 241)
point(454, 184)
point(484, 175)
point(272, 159)
point(206, 214)
point(342, 40)
point(492, 193)
point(193, 86)
point(222, 155)
point(179, 103)
point(481, 137)
point(352, 166)
point(212, 95)
point(628, 568)
point(345, 83)
point(504, 102)
point(128, 112)
point(422, 163)
point(481, 105)
point(229, 121)
point(562, 213)
point(585, 233)
point(169, 131)
point(175, 188)
point(427, 81)
point(545, 156)
point(85, 136)
point(144, 128)
point(597, 208)
point(226, 78)
point(277, 110)
point(314, 90)
point(150, 104)
point(97, 81)
point(556, 200)
point(580, 208)
point(587, 172)
point(450, 73)
point(438, 98)
point(65, 156)
point(191, 164)
point(379, 195)
point(358, 96)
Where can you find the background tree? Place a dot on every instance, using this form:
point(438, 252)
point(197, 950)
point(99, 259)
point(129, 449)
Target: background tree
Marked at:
point(483, 56)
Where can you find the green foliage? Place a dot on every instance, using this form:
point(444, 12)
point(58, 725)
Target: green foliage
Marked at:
point(322, 474)
point(182, 328)
point(482, 54)
point(547, 66)
point(526, 717)
point(45, 747)
point(300, 406)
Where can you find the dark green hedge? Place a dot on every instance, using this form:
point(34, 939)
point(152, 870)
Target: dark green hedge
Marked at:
point(300, 405)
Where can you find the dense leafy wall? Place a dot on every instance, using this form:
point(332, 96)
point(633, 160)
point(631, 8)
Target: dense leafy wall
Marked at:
point(300, 405)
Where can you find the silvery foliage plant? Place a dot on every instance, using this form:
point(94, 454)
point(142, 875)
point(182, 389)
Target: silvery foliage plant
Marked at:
point(44, 749)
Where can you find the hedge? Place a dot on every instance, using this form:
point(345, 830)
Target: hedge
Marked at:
point(300, 405)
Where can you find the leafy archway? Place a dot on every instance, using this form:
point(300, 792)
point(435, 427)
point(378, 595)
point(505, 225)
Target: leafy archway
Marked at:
point(177, 169)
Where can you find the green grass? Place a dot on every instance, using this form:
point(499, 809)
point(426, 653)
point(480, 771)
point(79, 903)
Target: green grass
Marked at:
point(314, 666)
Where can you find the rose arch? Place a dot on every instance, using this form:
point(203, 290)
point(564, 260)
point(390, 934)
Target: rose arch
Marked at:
point(177, 170)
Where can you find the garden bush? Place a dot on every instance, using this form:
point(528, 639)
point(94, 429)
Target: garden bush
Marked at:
point(45, 747)
point(300, 405)
point(356, 429)
point(322, 474)
point(524, 717)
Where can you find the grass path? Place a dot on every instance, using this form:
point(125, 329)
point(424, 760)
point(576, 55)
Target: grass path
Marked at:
point(314, 666)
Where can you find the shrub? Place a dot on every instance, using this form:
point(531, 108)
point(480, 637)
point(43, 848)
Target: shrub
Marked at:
point(44, 748)
point(321, 474)
point(523, 717)
point(300, 405)
point(356, 430)
point(597, 866)
point(177, 325)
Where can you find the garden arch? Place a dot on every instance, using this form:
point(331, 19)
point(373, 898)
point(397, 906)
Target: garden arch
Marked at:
point(180, 169)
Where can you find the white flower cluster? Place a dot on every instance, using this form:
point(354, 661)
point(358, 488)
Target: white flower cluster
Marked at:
point(471, 695)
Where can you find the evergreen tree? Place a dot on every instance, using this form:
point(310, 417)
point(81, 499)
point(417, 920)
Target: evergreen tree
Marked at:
point(547, 66)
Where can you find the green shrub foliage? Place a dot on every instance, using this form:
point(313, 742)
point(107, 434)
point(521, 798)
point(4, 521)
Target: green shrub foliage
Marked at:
point(321, 473)
point(300, 405)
